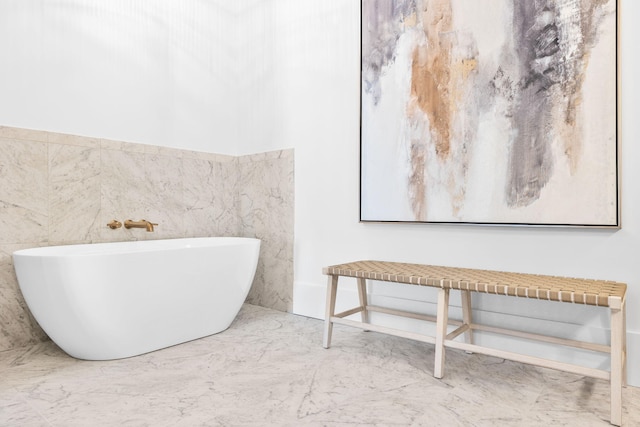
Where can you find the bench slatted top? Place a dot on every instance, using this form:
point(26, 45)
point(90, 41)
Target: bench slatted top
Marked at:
point(580, 291)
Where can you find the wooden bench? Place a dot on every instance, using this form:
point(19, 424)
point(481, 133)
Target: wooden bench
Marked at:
point(610, 295)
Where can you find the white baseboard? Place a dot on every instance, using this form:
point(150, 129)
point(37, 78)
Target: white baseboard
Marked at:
point(309, 300)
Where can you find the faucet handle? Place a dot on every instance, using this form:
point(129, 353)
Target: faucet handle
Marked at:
point(114, 224)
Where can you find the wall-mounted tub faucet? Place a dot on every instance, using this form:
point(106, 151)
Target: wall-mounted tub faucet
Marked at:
point(143, 223)
point(114, 224)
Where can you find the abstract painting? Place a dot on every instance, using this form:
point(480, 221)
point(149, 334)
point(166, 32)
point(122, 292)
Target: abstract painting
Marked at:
point(489, 112)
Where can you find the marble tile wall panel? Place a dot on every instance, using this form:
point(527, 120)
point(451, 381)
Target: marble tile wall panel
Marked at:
point(9, 132)
point(123, 192)
point(131, 147)
point(211, 204)
point(163, 200)
point(18, 328)
point(23, 192)
point(74, 193)
point(77, 140)
point(266, 212)
point(64, 189)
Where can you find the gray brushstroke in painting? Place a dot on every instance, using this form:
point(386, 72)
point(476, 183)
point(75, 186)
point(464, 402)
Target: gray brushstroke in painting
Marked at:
point(382, 22)
point(552, 42)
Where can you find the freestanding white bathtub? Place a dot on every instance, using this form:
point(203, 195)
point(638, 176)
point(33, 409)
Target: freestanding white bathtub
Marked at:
point(113, 300)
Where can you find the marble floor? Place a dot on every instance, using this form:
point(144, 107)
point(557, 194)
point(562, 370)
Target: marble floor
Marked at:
point(269, 369)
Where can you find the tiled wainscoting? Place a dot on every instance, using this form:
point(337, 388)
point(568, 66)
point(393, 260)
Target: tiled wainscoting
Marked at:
point(58, 189)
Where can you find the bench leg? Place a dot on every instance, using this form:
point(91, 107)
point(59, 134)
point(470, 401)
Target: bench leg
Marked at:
point(362, 294)
point(330, 310)
point(624, 343)
point(617, 363)
point(466, 316)
point(441, 331)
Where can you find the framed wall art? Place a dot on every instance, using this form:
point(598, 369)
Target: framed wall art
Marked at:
point(490, 112)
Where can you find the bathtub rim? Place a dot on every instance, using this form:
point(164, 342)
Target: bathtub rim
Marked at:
point(131, 246)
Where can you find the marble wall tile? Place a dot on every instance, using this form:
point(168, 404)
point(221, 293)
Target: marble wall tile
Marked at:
point(210, 198)
point(24, 134)
point(199, 155)
point(123, 192)
point(137, 186)
point(273, 283)
point(164, 151)
point(82, 141)
point(18, 328)
point(266, 212)
point(267, 195)
point(163, 201)
point(23, 193)
point(108, 144)
point(74, 193)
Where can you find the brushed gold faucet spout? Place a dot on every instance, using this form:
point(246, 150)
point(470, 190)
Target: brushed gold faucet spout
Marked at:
point(143, 223)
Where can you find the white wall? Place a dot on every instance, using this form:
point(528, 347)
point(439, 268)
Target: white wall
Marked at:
point(153, 71)
point(173, 74)
point(316, 78)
